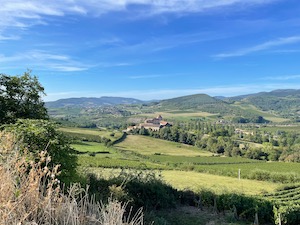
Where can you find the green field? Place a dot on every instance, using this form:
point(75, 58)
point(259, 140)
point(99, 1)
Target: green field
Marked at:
point(219, 184)
point(97, 155)
point(150, 146)
point(190, 180)
point(85, 146)
point(93, 133)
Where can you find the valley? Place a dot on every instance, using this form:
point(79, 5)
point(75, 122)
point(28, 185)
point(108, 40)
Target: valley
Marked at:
point(217, 148)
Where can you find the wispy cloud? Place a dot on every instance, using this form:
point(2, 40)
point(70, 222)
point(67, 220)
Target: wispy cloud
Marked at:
point(260, 47)
point(152, 45)
point(43, 60)
point(5, 38)
point(68, 68)
point(286, 77)
point(22, 14)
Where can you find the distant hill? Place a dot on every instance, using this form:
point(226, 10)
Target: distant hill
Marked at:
point(198, 102)
point(188, 102)
point(275, 93)
point(282, 101)
point(91, 102)
point(278, 103)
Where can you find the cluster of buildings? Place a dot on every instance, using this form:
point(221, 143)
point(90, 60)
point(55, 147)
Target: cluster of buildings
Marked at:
point(151, 124)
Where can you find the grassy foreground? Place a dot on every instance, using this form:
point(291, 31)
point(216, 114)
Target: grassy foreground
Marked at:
point(189, 180)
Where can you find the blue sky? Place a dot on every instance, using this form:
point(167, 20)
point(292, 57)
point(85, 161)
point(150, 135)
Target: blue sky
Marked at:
point(152, 49)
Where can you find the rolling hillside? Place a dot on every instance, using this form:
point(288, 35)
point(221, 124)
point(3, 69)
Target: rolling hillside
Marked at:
point(284, 102)
point(276, 106)
point(198, 102)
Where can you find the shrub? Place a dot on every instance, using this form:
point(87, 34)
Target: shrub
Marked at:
point(37, 135)
point(142, 188)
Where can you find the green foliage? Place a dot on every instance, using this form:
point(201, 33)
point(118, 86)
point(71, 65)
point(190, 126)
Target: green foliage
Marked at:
point(41, 135)
point(20, 97)
point(144, 188)
point(250, 119)
point(244, 206)
point(286, 204)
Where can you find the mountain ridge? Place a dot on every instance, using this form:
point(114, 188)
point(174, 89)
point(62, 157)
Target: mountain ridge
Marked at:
point(279, 99)
point(91, 102)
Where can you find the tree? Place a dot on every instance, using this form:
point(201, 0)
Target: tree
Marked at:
point(20, 97)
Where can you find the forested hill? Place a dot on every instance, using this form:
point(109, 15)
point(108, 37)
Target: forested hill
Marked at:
point(91, 102)
point(284, 101)
point(201, 102)
point(276, 93)
point(190, 102)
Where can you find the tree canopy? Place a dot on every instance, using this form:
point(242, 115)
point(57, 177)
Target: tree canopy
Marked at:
point(20, 97)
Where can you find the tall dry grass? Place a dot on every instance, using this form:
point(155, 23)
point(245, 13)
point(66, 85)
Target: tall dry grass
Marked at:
point(30, 193)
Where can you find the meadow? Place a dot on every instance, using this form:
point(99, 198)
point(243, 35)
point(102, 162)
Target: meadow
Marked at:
point(149, 146)
point(93, 133)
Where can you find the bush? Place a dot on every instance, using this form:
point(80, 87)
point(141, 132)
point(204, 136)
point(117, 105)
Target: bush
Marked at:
point(37, 135)
point(142, 188)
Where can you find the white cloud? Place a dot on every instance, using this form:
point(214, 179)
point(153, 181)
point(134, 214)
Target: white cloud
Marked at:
point(42, 60)
point(68, 68)
point(20, 13)
point(260, 47)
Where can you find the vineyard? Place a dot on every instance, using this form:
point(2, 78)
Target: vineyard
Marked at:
point(286, 202)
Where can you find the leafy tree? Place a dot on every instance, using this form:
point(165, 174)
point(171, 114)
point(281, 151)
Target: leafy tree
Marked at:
point(256, 153)
point(20, 97)
point(40, 135)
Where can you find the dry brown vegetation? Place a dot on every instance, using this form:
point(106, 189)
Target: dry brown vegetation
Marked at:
point(30, 193)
